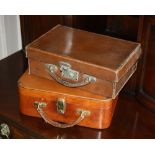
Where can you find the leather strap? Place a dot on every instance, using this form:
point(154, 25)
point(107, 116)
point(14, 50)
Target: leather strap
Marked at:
point(83, 113)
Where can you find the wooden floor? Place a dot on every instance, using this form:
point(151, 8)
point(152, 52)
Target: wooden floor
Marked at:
point(131, 119)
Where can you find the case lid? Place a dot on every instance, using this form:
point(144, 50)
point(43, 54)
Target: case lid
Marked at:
point(101, 56)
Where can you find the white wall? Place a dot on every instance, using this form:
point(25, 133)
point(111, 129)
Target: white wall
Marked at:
point(10, 35)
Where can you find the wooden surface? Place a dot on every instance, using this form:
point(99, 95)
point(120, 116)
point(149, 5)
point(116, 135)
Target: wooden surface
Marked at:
point(146, 90)
point(131, 119)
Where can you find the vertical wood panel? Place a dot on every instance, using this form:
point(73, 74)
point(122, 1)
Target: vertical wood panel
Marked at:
point(93, 23)
point(146, 85)
point(34, 26)
point(125, 27)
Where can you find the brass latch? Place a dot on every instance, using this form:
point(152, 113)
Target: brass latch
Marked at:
point(67, 72)
point(61, 105)
point(41, 104)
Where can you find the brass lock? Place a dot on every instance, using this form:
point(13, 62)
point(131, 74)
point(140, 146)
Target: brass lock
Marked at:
point(61, 106)
point(67, 72)
point(4, 130)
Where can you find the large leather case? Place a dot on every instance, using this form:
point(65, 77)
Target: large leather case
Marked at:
point(56, 103)
point(74, 58)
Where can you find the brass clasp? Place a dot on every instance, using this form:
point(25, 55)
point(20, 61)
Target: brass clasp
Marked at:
point(40, 104)
point(61, 106)
point(67, 72)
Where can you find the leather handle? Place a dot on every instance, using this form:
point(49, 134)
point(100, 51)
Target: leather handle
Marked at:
point(40, 106)
point(68, 73)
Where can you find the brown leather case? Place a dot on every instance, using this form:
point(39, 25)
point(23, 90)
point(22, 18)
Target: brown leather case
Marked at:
point(96, 63)
point(62, 104)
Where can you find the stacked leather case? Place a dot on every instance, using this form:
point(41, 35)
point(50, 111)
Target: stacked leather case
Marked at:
point(74, 77)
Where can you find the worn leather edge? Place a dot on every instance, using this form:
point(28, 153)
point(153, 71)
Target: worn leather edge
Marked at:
point(20, 84)
point(136, 53)
point(116, 92)
point(99, 102)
